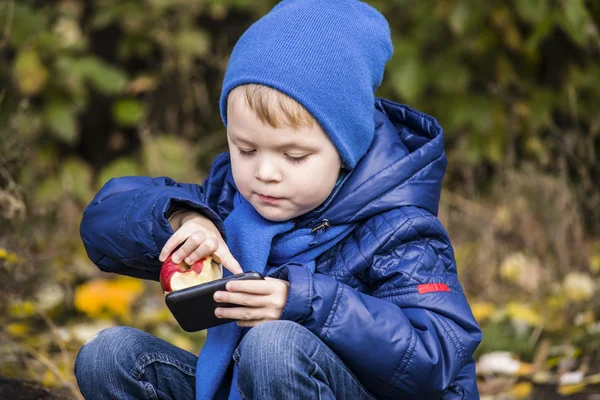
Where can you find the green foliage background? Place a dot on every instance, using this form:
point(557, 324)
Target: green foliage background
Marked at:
point(91, 90)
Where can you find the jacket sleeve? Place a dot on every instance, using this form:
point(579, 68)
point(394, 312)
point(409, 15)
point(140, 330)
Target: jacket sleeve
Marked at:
point(408, 338)
point(126, 225)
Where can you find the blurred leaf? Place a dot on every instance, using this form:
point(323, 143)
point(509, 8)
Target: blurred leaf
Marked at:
point(459, 17)
point(499, 336)
point(29, 72)
point(532, 10)
point(27, 23)
point(540, 32)
point(523, 313)
point(522, 271)
point(522, 390)
point(23, 309)
point(193, 42)
point(17, 329)
point(535, 146)
point(482, 310)
point(595, 263)
point(118, 168)
point(101, 298)
point(141, 84)
point(170, 156)
point(134, 46)
point(409, 79)
point(10, 257)
point(567, 390)
point(579, 287)
point(504, 70)
point(77, 176)
point(101, 76)
point(48, 192)
point(575, 20)
point(129, 111)
point(49, 296)
point(49, 379)
point(67, 29)
point(103, 17)
point(61, 120)
point(452, 77)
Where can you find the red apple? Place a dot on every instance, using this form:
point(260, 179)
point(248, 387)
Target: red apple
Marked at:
point(180, 276)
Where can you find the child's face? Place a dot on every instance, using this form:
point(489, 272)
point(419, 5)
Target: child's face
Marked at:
point(296, 167)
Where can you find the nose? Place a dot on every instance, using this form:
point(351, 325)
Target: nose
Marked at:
point(267, 171)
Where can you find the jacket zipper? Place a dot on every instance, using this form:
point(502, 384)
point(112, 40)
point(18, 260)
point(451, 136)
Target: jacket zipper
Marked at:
point(323, 225)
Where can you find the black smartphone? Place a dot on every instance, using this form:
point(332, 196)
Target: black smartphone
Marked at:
point(194, 307)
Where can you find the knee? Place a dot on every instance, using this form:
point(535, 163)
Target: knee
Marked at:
point(272, 348)
point(105, 353)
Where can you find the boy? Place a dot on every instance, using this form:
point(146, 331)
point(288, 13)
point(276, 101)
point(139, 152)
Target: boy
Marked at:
point(329, 192)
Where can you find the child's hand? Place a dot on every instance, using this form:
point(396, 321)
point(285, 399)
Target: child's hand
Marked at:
point(202, 239)
point(262, 300)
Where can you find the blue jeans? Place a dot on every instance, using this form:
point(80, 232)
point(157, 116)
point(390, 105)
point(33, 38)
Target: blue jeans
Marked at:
point(276, 360)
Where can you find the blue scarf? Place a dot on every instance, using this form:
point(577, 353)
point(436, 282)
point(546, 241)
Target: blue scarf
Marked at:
point(256, 242)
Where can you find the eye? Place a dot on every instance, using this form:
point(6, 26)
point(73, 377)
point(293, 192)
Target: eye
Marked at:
point(296, 160)
point(243, 153)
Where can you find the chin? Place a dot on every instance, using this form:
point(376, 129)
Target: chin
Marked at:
point(274, 214)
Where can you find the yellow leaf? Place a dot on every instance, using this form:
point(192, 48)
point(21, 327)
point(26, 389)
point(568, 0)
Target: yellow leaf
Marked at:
point(482, 310)
point(29, 72)
point(17, 329)
point(556, 303)
point(22, 309)
point(8, 256)
point(525, 369)
point(552, 362)
point(593, 379)
point(102, 298)
point(567, 390)
point(523, 313)
point(595, 263)
point(128, 284)
point(49, 379)
point(522, 390)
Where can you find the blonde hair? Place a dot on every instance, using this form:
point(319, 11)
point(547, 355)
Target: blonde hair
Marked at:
point(273, 107)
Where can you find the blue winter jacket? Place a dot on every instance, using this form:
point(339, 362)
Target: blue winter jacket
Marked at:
point(386, 299)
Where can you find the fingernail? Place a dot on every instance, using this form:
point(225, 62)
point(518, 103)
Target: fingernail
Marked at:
point(188, 260)
point(218, 296)
point(229, 286)
point(176, 260)
point(218, 312)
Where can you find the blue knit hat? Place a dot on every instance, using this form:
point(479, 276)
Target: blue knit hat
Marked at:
point(329, 55)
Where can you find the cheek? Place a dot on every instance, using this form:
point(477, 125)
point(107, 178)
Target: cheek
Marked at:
point(241, 174)
point(315, 183)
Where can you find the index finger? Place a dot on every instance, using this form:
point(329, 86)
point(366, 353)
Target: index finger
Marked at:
point(228, 261)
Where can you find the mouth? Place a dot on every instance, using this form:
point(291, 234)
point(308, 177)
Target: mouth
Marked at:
point(268, 199)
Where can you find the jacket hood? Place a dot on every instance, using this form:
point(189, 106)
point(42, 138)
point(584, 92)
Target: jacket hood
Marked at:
point(404, 166)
